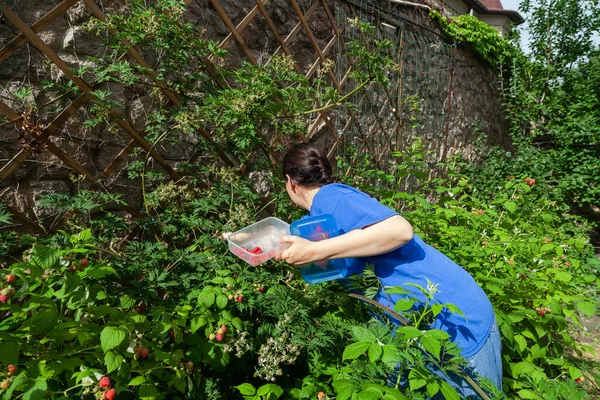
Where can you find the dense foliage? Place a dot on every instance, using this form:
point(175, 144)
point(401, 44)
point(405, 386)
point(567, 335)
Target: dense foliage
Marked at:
point(168, 312)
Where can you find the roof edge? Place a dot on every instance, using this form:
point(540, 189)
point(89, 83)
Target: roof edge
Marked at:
point(482, 9)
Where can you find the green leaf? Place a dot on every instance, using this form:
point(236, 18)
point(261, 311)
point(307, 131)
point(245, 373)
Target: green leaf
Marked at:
point(246, 389)
point(112, 361)
point(355, 350)
point(432, 388)
point(206, 298)
point(586, 308)
point(448, 391)
point(127, 301)
point(19, 380)
point(72, 282)
point(516, 316)
point(404, 304)
point(526, 394)
point(344, 388)
point(44, 256)
point(111, 337)
point(416, 379)
point(197, 323)
point(9, 352)
point(138, 380)
point(563, 276)
point(521, 342)
point(375, 351)
point(222, 301)
point(370, 394)
point(100, 272)
point(574, 372)
point(44, 321)
point(82, 236)
point(511, 206)
point(37, 391)
point(432, 345)
point(391, 354)
point(363, 334)
point(148, 391)
point(270, 388)
point(409, 332)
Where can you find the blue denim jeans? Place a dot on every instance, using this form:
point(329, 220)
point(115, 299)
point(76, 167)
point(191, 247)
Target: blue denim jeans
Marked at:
point(486, 363)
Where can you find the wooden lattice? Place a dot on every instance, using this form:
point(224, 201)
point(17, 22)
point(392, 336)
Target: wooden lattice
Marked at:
point(373, 130)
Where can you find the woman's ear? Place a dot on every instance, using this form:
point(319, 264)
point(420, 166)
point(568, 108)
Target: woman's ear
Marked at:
point(291, 183)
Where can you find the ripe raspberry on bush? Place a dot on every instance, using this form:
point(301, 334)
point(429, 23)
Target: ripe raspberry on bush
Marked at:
point(110, 394)
point(10, 278)
point(144, 353)
point(104, 382)
point(11, 369)
point(4, 298)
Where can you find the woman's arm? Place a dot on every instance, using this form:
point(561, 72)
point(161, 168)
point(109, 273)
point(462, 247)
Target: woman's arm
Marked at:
point(379, 238)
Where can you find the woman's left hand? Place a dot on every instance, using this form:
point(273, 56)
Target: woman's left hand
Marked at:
point(300, 252)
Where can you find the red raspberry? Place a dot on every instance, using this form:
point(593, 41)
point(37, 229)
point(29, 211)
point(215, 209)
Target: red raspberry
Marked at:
point(239, 299)
point(110, 394)
point(542, 313)
point(261, 289)
point(4, 298)
point(84, 262)
point(224, 329)
point(104, 382)
point(144, 353)
point(10, 278)
point(219, 337)
point(11, 369)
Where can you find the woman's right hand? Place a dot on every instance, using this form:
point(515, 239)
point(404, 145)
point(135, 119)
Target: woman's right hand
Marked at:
point(300, 252)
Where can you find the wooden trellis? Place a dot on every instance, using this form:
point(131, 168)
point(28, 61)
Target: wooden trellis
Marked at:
point(373, 131)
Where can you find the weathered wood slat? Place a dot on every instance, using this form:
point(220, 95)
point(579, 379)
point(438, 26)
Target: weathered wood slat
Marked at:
point(37, 26)
point(24, 220)
point(233, 30)
point(244, 22)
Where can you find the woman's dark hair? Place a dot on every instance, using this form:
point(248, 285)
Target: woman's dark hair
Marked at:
point(307, 166)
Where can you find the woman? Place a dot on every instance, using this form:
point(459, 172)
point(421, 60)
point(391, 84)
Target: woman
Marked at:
point(375, 234)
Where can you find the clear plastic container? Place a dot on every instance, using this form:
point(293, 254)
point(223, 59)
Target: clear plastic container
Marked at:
point(263, 235)
point(314, 229)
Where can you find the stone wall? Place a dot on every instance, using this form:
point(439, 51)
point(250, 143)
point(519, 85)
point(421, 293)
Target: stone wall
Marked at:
point(474, 97)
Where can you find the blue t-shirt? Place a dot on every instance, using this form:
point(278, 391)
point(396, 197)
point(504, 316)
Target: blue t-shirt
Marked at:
point(415, 262)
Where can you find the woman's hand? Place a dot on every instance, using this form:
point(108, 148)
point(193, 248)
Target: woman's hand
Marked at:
point(300, 252)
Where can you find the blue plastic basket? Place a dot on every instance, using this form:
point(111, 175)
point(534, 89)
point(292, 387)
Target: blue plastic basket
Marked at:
point(314, 229)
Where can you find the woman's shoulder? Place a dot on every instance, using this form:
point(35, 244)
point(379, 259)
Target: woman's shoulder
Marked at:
point(334, 194)
point(341, 188)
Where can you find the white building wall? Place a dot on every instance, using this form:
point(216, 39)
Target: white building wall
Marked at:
point(501, 23)
point(456, 7)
